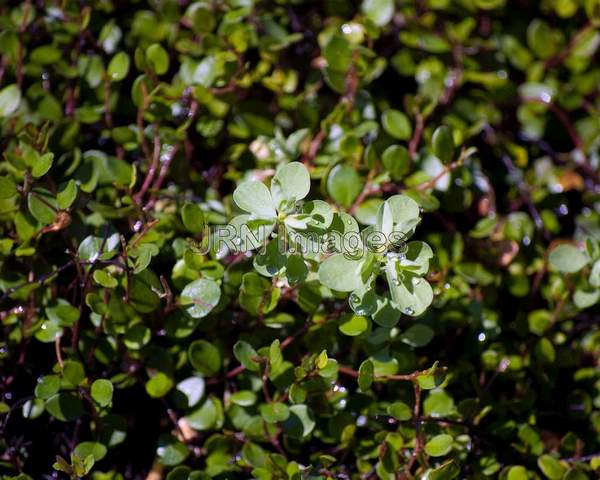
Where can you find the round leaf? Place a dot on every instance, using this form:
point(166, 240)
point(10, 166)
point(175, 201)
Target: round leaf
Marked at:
point(204, 357)
point(200, 297)
point(439, 445)
point(397, 124)
point(102, 392)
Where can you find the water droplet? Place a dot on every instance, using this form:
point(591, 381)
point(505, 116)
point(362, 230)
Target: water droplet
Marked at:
point(563, 209)
point(401, 257)
point(481, 337)
point(391, 255)
point(349, 222)
point(446, 286)
point(396, 282)
point(137, 225)
point(409, 310)
point(354, 298)
point(526, 240)
point(416, 280)
point(361, 421)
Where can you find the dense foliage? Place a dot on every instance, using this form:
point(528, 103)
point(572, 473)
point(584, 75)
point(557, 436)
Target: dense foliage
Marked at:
point(416, 291)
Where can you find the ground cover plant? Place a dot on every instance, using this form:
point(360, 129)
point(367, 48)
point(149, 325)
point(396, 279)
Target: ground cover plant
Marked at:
point(299, 239)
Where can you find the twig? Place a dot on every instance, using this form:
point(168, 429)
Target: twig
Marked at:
point(152, 170)
point(446, 170)
point(525, 194)
point(418, 437)
point(564, 53)
point(39, 280)
point(409, 377)
point(58, 351)
point(413, 145)
point(313, 148)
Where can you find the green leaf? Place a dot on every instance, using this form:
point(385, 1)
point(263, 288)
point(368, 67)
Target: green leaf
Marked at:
point(143, 292)
point(431, 379)
point(118, 67)
point(517, 473)
point(42, 164)
point(63, 313)
point(586, 297)
point(206, 416)
point(170, 451)
point(244, 398)
point(102, 392)
point(316, 215)
point(446, 471)
point(338, 53)
point(443, 144)
point(296, 269)
point(410, 292)
point(192, 217)
point(400, 411)
point(363, 301)
point(67, 195)
point(192, 388)
point(200, 297)
point(342, 274)
point(246, 355)
point(95, 449)
point(8, 187)
point(93, 248)
point(104, 278)
point(551, 467)
point(204, 357)
point(396, 124)
point(344, 184)
point(417, 335)
point(567, 259)
point(45, 54)
point(541, 39)
point(300, 422)
point(416, 258)
point(158, 58)
point(366, 375)
point(47, 386)
point(539, 321)
point(439, 404)
point(397, 217)
point(396, 161)
point(254, 197)
point(353, 325)
point(274, 412)
point(380, 12)
point(73, 373)
point(42, 206)
point(10, 98)
point(159, 385)
point(290, 184)
point(439, 445)
point(65, 407)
